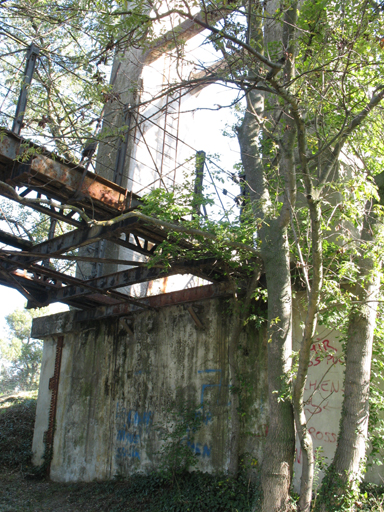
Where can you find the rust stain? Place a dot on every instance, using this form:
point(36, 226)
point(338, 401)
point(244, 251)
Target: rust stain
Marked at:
point(164, 283)
point(73, 181)
point(54, 387)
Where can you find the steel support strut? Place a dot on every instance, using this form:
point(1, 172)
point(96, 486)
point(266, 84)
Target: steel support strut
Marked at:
point(33, 52)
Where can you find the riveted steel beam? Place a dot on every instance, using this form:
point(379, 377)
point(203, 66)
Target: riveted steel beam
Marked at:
point(15, 241)
point(111, 281)
point(74, 239)
point(63, 181)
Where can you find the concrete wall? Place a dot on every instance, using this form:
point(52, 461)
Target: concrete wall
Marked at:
point(323, 394)
point(116, 389)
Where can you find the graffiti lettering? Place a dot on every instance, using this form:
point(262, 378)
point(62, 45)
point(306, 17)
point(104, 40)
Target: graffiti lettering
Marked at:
point(312, 408)
point(131, 452)
point(133, 418)
point(328, 437)
point(318, 435)
point(131, 427)
point(127, 437)
point(323, 346)
point(199, 449)
point(327, 386)
point(324, 351)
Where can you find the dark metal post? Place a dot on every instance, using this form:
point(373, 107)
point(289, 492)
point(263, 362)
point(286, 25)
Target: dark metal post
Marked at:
point(51, 235)
point(33, 52)
point(122, 147)
point(199, 166)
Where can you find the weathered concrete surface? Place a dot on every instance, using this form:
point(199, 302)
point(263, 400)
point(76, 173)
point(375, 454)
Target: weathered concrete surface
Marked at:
point(43, 399)
point(116, 390)
point(323, 397)
point(120, 378)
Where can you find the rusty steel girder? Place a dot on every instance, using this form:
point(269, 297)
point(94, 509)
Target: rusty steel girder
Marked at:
point(188, 295)
point(61, 180)
point(110, 282)
point(74, 239)
point(71, 182)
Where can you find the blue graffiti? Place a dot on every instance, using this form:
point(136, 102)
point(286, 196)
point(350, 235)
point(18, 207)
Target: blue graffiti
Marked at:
point(199, 449)
point(133, 418)
point(128, 437)
point(131, 452)
point(128, 419)
point(205, 386)
point(206, 416)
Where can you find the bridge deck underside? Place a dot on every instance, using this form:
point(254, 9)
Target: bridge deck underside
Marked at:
point(47, 184)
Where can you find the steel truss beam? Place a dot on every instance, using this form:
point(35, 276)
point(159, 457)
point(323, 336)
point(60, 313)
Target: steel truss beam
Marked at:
point(15, 241)
point(112, 281)
point(101, 199)
point(76, 238)
point(38, 284)
point(125, 278)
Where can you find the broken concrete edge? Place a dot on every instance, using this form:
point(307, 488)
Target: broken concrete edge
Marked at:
point(62, 323)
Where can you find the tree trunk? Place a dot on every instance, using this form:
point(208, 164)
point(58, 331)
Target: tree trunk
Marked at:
point(280, 443)
point(240, 312)
point(305, 438)
point(344, 474)
point(277, 464)
point(234, 440)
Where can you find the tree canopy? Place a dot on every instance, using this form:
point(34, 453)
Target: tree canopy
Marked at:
point(20, 354)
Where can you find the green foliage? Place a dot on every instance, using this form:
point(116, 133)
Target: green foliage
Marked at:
point(198, 492)
point(177, 455)
point(376, 397)
point(337, 494)
point(179, 205)
point(21, 354)
point(371, 498)
point(17, 419)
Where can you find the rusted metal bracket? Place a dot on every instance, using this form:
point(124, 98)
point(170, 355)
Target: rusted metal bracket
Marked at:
point(126, 324)
point(196, 319)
